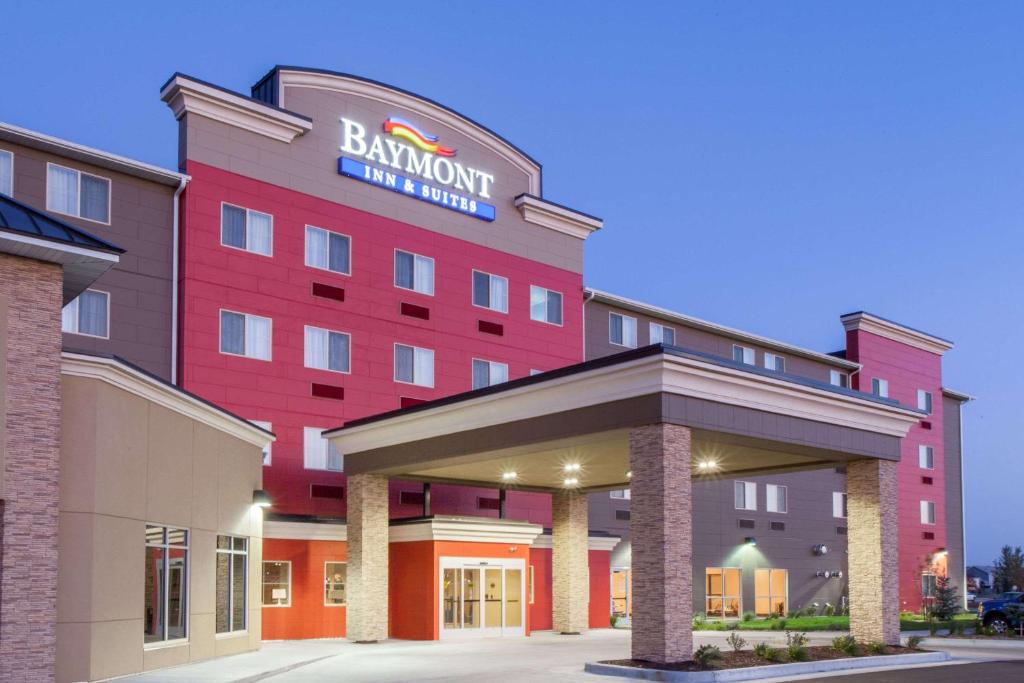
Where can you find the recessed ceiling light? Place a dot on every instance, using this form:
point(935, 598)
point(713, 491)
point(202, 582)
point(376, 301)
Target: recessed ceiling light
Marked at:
point(571, 481)
point(509, 476)
point(572, 467)
point(707, 465)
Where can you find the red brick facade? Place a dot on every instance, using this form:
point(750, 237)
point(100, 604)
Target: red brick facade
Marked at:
point(28, 606)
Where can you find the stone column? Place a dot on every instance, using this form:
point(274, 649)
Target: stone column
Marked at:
point(871, 537)
point(661, 533)
point(366, 617)
point(570, 569)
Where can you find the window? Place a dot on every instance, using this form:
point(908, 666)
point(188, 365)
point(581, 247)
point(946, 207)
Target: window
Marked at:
point(277, 584)
point(242, 334)
point(776, 498)
point(266, 449)
point(880, 387)
point(75, 193)
point(334, 583)
point(414, 365)
point(927, 585)
point(545, 305)
point(924, 400)
point(327, 350)
point(486, 373)
point(927, 512)
point(746, 495)
point(318, 453)
point(414, 272)
point(328, 250)
point(839, 379)
point(926, 457)
point(6, 172)
point(246, 229)
point(165, 611)
point(621, 494)
point(723, 597)
point(771, 590)
point(232, 573)
point(774, 362)
point(661, 334)
point(534, 371)
point(622, 580)
point(743, 354)
point(490, 291)
point(88, 314)
point(622, 330)
point(839, 504)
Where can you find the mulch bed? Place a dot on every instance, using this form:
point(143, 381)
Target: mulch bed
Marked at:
point(747, 658)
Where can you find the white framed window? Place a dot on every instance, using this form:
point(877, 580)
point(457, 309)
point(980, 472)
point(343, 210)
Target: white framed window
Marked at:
point(277, 584)
point(746, 495)
point(743, 354)
point(327, 349)
point(880, 387)
point(771, 592)
point(166, 609)
point(266, 449)
point(232, 583)
point(924, 400)
point(839, 379)
point(927, 512)
point(545, 305)
point(777, 498)
point(622, 330)
point(6, 173)
point(839, 504)
point(723, 592)
point(335, 578)
point(414, 365)
point(414, 272)
point(243, 334)
point(246, 229)
point(76, 193)
point(487, 373)
point(318, 453)
point(621, 494)
point(774, 362)
point(490, 291)
point(926, 457)
point(87, 314)
point(328, 250)
point(662, 334)
point(534, 371)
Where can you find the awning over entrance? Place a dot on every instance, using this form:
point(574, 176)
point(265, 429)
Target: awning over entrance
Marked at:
point(570, 427)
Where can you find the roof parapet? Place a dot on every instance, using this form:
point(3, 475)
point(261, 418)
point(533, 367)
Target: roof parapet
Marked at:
point(862, 321)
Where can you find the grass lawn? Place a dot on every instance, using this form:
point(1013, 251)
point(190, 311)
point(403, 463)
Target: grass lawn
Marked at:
point(839, 623)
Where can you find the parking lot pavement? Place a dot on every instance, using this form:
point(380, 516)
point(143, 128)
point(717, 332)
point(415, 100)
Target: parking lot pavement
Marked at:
point(975, 672)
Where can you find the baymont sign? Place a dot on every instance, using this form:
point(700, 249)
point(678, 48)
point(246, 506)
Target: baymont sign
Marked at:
point(423, 157)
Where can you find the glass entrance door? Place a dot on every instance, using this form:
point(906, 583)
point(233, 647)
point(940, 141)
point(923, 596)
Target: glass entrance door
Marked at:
point(482, 597)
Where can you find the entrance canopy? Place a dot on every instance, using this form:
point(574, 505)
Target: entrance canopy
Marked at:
point(569, 428)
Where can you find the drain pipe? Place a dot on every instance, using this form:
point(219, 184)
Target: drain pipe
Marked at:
point(586, 297)
point(174, 277)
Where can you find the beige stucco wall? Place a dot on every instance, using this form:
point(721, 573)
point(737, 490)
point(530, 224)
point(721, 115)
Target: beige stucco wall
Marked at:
point(126, 461)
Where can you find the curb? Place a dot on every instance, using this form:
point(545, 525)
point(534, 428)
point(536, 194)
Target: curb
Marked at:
point(771, 671)
point(973, 643)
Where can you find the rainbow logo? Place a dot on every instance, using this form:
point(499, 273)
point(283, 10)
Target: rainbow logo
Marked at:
point(428, 143)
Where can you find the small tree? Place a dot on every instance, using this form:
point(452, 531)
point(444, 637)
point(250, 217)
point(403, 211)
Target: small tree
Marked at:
point(1008, 570)
point(947, 599)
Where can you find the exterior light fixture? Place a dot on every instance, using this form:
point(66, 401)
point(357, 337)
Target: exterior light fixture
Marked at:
point(571, 481)
point(629, 474)
point(820, 549)
point(941, 552)
point(572, 467)
point(261, 498)
point(707, 465)
point(509, 476)
point(750, 540)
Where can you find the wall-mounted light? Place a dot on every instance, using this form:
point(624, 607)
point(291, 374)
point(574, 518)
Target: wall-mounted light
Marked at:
point(837, 575)
point(707, 465)
point(750, 540)
point(629, 474)
point(941, 552)
point(820, 549)
point(261, 499)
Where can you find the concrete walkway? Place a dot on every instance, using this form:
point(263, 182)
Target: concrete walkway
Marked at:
point(541, 657)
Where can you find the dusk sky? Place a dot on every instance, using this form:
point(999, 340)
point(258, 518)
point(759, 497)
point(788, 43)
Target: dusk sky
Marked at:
point(767, 166)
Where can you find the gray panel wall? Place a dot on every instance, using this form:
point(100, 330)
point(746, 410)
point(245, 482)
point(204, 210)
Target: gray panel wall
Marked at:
point(141, 214)
point(951, 427)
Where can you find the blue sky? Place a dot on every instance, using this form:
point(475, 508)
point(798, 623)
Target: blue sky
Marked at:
point(791, 161)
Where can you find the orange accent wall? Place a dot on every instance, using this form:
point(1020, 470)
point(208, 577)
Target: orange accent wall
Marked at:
point(600, 589)
point(307, 617)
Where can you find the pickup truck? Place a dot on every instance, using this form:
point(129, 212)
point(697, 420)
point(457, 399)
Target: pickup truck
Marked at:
point(1003, 612)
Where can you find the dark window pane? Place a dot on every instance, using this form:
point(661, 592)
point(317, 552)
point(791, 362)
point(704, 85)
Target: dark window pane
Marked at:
point(403, 269)
point(92, 313)
point(238, 603)
point(481, 374)
point(555, 308)
point(232, 332)
point(481, 289)
point(339, 253)
point(232, 226)
point(95, 203)
point(337, 357)
point(615, 332)
point(668, 336)
point(177, 610)
point(223, 606)
point(153, 616)
point(403, 363)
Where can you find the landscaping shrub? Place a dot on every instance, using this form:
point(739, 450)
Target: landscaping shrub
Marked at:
point(749, 616)
point(614, 619)
point(735, 642)
point(706, 655)
point(811, 610)
point(776, 654)
point(830, 609)
point(876, 648)
point(914, 642)
point(762, 650)
point(845, 644)
point(779, 625)
point(796, 646)
point(699, 619)
point(933, 627)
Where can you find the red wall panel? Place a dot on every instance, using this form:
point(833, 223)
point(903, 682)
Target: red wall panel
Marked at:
point(307, 617)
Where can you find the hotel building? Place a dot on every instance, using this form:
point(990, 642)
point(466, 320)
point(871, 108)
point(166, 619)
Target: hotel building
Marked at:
point(369, 294)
